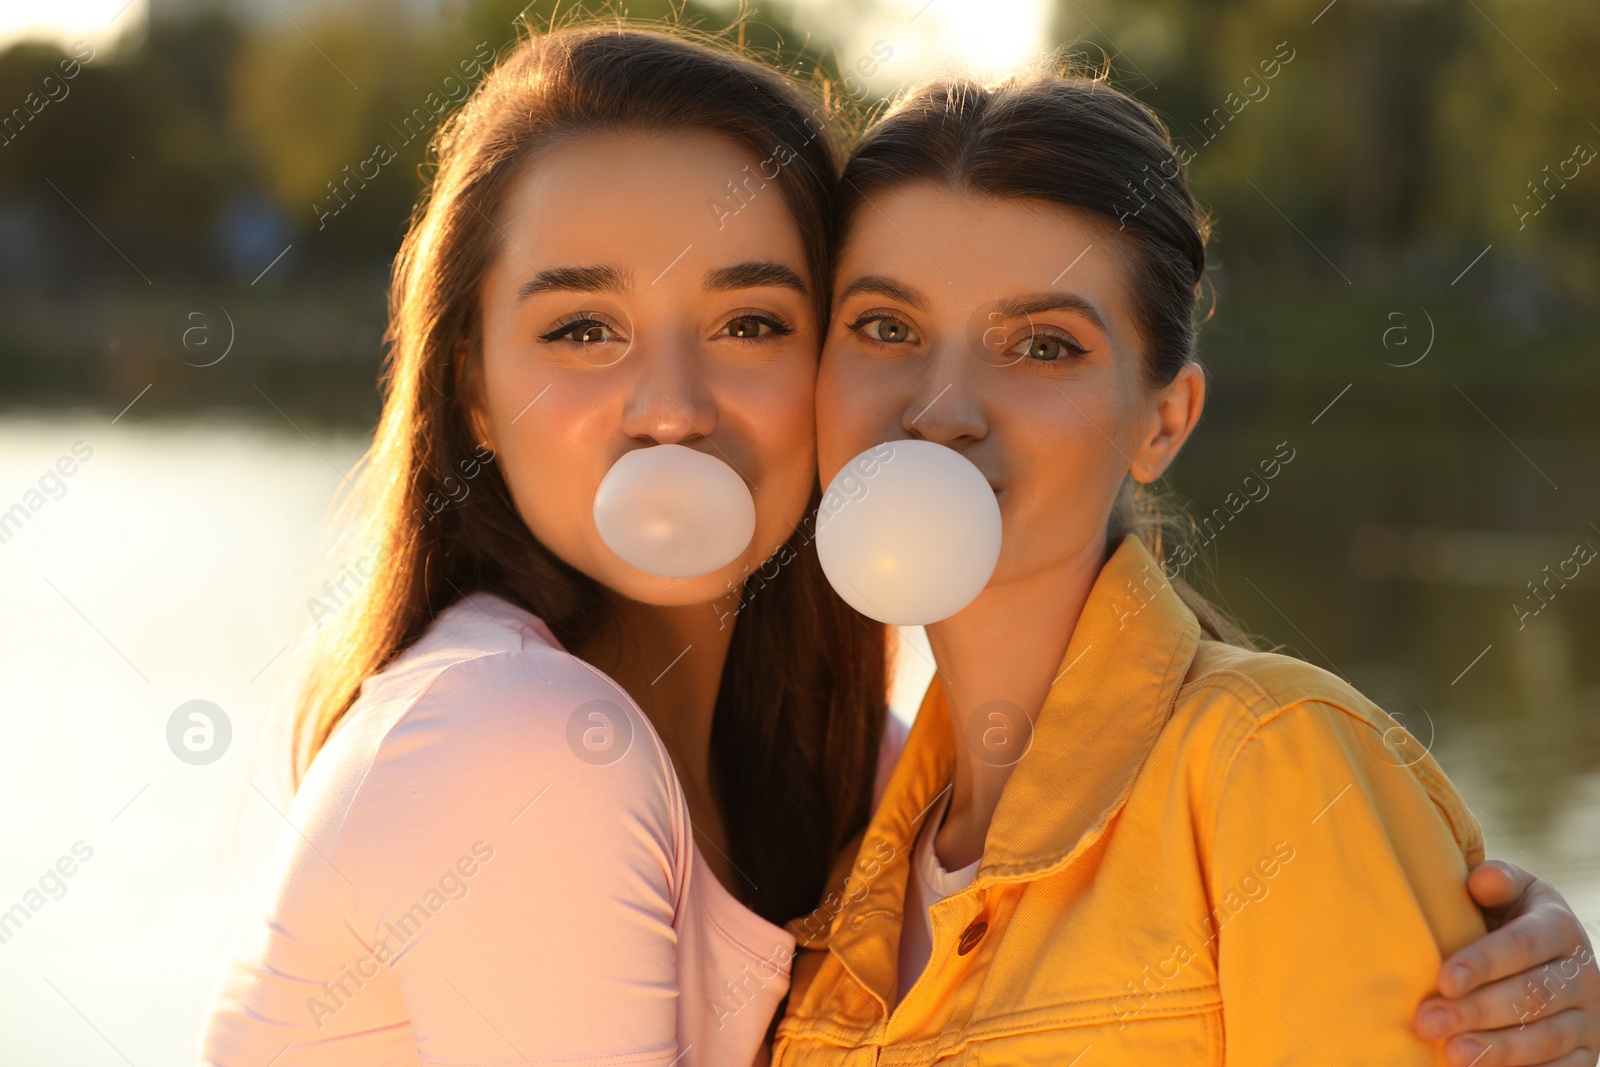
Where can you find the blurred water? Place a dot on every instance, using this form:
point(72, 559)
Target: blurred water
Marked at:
point(173, 564)
point(166, 571)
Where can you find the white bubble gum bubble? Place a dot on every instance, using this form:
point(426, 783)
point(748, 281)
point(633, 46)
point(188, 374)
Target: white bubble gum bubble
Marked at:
point(915, 540)
point(673, 512)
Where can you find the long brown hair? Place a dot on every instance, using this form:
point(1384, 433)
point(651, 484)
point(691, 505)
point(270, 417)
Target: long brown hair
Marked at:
point(802, 702)
point(1077, 142)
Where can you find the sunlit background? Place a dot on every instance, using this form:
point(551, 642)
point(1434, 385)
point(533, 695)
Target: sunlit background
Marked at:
point(1407, 268)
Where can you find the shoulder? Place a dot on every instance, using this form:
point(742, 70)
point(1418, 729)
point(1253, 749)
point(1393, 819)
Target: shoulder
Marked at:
point(1260, 727)
point(488, 684)
point(484, 723)
point(478, 625)
point(1231, 694)
point(1265, 684)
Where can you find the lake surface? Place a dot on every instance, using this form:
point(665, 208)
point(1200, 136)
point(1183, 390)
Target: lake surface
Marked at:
point(174, 562)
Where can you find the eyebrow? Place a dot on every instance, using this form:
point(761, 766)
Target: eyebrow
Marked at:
point(754, 274)
point(1015, 307)
point(883, 286)
point(574, 280)
point(1023, 306)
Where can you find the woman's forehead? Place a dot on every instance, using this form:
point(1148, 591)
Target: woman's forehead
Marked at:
point(954, 244)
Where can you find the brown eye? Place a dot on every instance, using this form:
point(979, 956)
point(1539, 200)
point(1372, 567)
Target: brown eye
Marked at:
point(583, 332)
point(754, 327)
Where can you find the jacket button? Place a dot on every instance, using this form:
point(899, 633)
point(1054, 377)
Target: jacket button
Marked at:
point(970, 938)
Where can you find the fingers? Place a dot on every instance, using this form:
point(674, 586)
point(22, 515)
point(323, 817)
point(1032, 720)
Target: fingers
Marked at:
point(1543, 930)
point(1581, 1058)
point(1495, 884)
point(1552, 1040)
point(1526, 998)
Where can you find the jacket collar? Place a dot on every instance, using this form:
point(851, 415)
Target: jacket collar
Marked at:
point(1114, 691)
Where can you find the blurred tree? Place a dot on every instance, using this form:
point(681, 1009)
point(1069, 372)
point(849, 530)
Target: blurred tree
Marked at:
point(171, 151)
point(140, 147)
point(1398, 137)
point(1401, 129)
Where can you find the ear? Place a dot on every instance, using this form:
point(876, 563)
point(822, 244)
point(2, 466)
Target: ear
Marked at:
point(1174, 411)
point(469, 388)
point(478, 425)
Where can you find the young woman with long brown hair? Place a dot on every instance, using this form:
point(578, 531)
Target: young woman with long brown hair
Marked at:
point(496, 855)
point(553, 808)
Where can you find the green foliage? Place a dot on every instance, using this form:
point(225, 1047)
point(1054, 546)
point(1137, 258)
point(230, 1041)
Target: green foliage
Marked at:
point(154, 149)
point(1400, 140)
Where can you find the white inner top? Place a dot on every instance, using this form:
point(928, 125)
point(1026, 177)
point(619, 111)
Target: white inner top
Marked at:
point(928, 884)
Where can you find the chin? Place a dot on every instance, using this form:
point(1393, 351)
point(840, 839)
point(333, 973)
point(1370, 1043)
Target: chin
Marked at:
point(712, 590)
point(660, 592)
point(709, 589)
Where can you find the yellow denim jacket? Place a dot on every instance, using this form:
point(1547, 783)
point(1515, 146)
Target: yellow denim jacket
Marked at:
point(1208, 855)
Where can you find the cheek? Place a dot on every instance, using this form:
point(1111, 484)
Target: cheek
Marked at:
point(551, 432)
point(854, 413)
point(776, 406)
point(1098, 428)
point(1065, 456)
point(545, 459)
point(1085, 469)
point(1069, 474)
point(1043, 416)
point(774, 413)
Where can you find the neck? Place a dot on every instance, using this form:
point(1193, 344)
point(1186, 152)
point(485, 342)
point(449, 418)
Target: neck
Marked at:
point(1007, 645)
point(669, 660)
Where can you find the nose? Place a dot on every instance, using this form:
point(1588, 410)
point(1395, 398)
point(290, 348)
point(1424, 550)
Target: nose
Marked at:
point(669, 400)
point(944, 407)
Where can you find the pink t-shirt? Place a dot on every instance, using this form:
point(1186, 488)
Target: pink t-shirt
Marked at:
point(491, 862)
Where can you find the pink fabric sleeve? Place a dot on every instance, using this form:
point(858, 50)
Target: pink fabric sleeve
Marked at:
point(473, 859)
point(561, 946)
